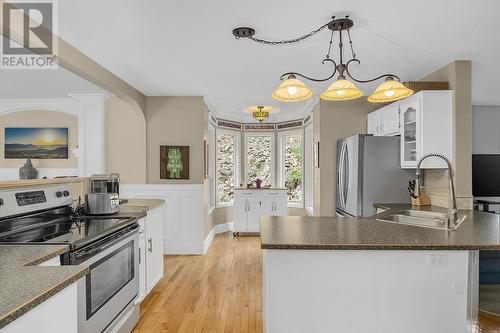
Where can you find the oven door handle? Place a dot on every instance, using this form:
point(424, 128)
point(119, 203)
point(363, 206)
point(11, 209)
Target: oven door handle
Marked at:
point(91, 251)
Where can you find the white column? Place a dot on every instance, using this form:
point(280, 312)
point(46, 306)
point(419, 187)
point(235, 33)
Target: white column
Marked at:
point(91, 133)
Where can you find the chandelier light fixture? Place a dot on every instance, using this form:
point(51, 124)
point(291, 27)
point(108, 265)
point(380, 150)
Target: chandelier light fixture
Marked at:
point(260, 112)
point(294, 90)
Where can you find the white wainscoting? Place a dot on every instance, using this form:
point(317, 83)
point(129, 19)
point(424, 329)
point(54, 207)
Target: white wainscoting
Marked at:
point(183, 215)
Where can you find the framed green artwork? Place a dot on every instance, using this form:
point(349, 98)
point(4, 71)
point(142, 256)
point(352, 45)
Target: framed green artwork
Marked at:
point(174, 162)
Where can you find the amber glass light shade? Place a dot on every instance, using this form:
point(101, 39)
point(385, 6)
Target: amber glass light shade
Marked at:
point(292, 90)
point(341, 90)
point(261, 112)
point(390, 91)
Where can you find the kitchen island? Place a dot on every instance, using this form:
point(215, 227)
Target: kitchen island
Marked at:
point(336, 274)
point(35, 287)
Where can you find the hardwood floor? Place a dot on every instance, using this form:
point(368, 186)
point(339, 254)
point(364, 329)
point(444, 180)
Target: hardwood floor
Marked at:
point(489, 323)
point(218, 292)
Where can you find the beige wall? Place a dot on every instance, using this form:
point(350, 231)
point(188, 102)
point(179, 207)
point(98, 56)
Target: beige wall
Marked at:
point(39, 118)
point(338, 120)
point(125, 141)
point(458, 75)
point(175, 121)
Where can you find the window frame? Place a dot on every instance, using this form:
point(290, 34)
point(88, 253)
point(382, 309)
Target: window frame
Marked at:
point(281, 163)
point(212, 165)
point(272, 135)
point(237, 156)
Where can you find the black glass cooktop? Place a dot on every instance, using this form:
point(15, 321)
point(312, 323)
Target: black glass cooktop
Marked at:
point(53, 228)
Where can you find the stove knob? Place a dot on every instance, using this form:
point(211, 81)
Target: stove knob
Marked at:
point(66, 193)
point(59, 194)
point(1, 202)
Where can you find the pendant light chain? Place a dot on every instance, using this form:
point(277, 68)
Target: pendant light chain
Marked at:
point(288, 41)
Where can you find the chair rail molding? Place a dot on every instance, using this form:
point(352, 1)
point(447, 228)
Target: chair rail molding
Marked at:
point(183, 214)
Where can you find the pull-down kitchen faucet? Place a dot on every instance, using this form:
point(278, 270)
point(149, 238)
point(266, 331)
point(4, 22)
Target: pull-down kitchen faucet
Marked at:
point(452, 219)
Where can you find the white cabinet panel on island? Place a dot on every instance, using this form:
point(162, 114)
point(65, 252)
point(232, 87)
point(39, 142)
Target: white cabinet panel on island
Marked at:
point(251, 204)
point(369, 291)
point(58, 314)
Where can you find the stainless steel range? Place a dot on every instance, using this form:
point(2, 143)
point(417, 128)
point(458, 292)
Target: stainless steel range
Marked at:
point(109, 246)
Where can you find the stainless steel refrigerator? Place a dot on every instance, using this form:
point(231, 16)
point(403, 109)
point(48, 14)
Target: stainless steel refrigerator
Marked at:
point(369, 172)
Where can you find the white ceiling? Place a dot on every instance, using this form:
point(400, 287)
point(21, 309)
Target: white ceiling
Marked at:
point(166, 47)
point(52, 83)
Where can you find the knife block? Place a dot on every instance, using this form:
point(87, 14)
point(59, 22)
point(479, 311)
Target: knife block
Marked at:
point(422, 200)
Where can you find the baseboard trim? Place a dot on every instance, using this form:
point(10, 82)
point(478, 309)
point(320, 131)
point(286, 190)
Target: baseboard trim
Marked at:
point(224, 227)
point(217, 229)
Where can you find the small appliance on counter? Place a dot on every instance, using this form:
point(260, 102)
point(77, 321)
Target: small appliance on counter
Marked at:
point(103, 198)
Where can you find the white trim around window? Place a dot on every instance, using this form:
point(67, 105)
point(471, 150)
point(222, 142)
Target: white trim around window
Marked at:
point(281, 163)
point(236, 158)
point(212, 150)
point(271, 135)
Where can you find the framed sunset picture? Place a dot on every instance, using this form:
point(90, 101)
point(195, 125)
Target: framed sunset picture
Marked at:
point(36, 143)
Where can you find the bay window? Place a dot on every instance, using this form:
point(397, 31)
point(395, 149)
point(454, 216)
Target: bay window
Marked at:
point(291, 166)
point(259, 152)
point(227, 156)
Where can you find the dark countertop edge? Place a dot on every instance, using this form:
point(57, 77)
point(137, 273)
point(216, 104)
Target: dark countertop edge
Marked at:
point(360, 247)
point(16, 313)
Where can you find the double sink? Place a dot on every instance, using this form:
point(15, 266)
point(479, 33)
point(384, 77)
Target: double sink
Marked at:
point(421, 218)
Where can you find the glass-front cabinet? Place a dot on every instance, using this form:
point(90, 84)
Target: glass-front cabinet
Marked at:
point(409, 113)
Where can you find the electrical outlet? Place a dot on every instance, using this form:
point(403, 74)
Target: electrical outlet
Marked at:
point(437, 260)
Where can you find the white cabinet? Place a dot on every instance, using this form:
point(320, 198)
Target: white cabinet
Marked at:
point(384, 121)
point(273, 203)
point(250, 205)
point(142, 261)
point(154, 247)
point(426, 127)
point(59, 313)
point(424, 122)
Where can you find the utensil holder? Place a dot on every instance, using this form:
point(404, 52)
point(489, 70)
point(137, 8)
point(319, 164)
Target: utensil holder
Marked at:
point(422, 200)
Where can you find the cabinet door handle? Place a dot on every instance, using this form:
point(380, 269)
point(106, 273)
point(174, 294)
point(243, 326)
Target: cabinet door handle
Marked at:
point(150, 245)
point(377, 129)
point(140, 256)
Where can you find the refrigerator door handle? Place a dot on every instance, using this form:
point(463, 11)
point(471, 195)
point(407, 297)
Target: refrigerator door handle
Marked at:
point(341, 174)
point(346, 175)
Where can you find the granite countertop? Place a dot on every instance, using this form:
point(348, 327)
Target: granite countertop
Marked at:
point(479, 231)
point(23, 285)
point(141, 204)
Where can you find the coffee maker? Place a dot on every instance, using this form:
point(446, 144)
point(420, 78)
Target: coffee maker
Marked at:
point(103, 198)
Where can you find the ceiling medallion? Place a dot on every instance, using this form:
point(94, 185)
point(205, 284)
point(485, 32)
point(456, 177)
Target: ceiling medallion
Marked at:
point(294, 90)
